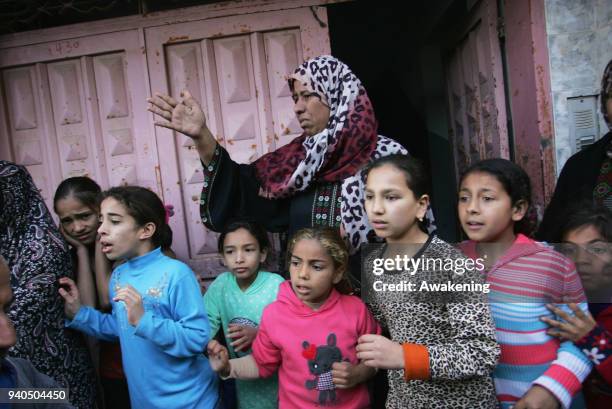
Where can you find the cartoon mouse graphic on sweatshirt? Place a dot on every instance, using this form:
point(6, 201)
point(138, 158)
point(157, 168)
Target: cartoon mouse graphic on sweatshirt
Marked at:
point(320, 361)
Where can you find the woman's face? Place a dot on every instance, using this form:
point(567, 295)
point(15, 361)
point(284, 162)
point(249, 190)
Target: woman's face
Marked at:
point(78, 220)
point(310, 111)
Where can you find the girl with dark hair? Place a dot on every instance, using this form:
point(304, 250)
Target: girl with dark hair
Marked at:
point(236, 299)
point(310, 332)
point(157, 310)
point(586, 238)
point(442, 350)
point(534, 370)
point(77, 204)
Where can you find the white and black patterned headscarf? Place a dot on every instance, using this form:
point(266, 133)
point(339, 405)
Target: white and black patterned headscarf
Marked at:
point(336, 154)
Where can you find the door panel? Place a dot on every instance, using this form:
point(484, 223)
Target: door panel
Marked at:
point(476, 90)
point(70, 111)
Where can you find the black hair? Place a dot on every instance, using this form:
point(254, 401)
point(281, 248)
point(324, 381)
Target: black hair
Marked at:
point(587, 214)
point(417, 177)
point(81, 188)
point(145, 207)
point(251, 226)
point(515, 182)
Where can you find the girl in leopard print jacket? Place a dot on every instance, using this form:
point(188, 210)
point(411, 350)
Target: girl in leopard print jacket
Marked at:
point(442, 349)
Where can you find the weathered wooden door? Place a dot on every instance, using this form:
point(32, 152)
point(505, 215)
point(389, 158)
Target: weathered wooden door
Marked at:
point(74, 107)
point(237, 68)
point(476, 90)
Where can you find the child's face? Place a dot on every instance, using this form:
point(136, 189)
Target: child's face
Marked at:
point(391, 206)
point(120, 236)
point(485, 209)
point(313, 273)
point(242, 254)
point(592, 255)
point(78, 221)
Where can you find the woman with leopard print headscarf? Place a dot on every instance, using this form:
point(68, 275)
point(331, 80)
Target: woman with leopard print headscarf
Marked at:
point(313, 180)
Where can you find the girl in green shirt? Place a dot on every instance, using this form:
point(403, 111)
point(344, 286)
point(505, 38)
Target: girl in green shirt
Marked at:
point(236, 300)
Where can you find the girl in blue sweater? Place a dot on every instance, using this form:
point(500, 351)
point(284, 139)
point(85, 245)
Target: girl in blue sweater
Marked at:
point(157, 312)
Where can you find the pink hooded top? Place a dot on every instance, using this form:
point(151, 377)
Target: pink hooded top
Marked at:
point(302, 344)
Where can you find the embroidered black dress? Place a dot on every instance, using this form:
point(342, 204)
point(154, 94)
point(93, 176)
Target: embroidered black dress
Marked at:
point(231, 189)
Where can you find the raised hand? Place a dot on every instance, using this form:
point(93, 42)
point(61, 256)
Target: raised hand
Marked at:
point(218, 358)
point(72, 301)
point(133, 303)
point(185, 116)
point(242, 336)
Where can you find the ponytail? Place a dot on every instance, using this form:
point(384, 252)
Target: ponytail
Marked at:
point(165, 237)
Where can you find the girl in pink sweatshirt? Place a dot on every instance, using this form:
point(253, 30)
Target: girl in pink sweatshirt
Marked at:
point(309, 334)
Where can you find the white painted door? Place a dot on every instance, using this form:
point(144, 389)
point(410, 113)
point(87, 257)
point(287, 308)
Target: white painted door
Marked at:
point(237, 68)
point(73, 107)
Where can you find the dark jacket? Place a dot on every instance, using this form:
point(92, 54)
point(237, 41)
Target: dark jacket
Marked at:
point(575, 184)
point(26, 376)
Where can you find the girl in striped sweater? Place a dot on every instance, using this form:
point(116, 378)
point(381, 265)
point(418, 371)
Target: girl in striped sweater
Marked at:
point(535, 369)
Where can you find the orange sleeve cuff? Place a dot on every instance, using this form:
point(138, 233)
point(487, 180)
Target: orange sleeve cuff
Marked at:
point(416, 361)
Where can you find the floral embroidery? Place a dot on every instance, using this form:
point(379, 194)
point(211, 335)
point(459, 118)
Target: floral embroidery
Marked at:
point(594, 355)
point(327, 205)
point(596, 345)
point(158, 290)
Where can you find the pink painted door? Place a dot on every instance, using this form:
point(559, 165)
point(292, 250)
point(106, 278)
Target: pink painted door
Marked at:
point(476, 90)
point(73, 107)
point(237, 68)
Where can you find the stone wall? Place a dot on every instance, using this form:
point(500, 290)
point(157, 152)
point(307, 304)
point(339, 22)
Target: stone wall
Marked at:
point(580, 46)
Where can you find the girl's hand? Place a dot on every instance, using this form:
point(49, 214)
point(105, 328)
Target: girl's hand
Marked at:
point(242, 335)
point(133, 303)
point(218, 358)
point(185, 117)
point(72, 301)
point(537, 397)
point(379, 352)
point(346, 376)
point(575, 326)
point(71, 240)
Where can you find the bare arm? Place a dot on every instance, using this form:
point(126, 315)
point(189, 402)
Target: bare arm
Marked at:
point(84, 277)
point(187, 117)
point(103, 271)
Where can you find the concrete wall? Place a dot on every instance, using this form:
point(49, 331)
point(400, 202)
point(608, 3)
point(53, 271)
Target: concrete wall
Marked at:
point(580, 46)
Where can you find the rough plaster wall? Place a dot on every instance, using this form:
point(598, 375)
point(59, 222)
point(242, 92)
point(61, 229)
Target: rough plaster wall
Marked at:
point(580, 46)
